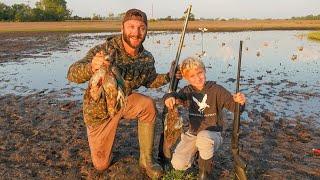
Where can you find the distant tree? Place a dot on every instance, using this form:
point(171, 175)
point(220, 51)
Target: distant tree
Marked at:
point(76, 17)
point(54, 10)
point(191, 17)
point(5, 12)
point(308, 17)
point(168, 18)
point(121, 15)
point(111, 15)
point(21, 12)
point(96, 17)
point(38, 14)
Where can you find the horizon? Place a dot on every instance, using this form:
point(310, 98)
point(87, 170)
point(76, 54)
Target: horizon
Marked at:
point(228, 9)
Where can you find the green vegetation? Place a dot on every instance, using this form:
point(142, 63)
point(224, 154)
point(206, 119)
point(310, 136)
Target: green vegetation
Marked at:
point(314, 35)
point(179, 175)
point(308, 17)
point(45, 10)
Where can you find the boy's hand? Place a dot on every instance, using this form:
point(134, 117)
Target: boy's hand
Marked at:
point(170, 102)
point(98, 60)
point(239, 98)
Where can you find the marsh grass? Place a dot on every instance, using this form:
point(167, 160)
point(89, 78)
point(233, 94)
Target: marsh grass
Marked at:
point(179, 175)
point(314, 35)
point(114, 26)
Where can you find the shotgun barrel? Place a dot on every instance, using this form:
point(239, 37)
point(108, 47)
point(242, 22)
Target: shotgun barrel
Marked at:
point(239, 164)
point(171, 118)
point(173, 80)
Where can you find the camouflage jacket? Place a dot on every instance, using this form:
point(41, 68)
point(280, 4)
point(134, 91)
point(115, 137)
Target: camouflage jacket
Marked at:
point(136, 71)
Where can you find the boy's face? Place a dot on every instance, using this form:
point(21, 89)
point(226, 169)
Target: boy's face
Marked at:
point(196, 77)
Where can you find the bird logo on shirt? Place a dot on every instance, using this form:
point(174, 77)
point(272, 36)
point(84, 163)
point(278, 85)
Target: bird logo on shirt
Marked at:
point(202, 105)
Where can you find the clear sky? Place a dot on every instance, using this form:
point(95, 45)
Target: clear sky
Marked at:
point(201, 8)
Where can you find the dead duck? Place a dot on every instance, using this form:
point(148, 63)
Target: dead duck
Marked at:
point(108, 83)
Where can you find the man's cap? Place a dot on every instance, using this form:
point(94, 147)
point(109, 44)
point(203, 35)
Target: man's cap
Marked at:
point(135, 14)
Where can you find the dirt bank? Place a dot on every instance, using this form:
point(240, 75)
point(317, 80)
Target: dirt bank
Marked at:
point(42, 137)
point(160, 25)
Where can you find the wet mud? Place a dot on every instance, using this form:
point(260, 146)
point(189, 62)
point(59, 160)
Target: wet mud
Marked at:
point(43, 136)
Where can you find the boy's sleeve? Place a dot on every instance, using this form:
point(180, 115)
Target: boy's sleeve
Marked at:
point(226, 100)
point(80, 71)
point(182, 95)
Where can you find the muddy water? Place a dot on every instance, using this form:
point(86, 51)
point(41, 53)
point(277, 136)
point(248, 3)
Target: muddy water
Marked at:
point(41, 113)
point(280, 68)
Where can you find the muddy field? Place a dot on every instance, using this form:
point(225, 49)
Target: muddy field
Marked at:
point(42, 135)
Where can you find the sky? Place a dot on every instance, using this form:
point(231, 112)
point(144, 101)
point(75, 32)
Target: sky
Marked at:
point(277, 9)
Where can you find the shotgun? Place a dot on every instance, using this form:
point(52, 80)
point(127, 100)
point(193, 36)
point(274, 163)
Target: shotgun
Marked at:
point(239, 164)
point(172, 122)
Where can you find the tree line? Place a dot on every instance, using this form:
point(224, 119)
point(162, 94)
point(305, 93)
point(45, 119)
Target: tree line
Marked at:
point(56, 10)
point(308, 17)
point(45, 10)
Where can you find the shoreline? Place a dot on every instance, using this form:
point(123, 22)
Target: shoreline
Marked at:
point(47, 124)
point(114, 26)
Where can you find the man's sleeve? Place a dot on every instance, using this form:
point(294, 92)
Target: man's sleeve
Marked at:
point(80, 71)
point(156, 80)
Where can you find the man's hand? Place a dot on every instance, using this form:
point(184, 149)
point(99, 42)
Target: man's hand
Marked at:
point(239, 98)
point(99, 60)
point(178, 74)
point(170, 102)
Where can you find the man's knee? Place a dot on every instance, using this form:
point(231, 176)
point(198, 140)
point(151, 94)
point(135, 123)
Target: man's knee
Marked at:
point(148, 103)
point(100, 167)
point(149, 110)
point(100, 161)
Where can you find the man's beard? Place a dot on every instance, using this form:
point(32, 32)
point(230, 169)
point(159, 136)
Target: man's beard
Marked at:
point(126, 38)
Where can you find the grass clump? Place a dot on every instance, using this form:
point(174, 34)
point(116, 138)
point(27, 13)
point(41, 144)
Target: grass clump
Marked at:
point(179, 175)
point(314, 35)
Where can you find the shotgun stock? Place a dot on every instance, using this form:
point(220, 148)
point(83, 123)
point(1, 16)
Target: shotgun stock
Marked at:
point(239, 164)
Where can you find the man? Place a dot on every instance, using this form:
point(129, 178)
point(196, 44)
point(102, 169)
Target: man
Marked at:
point(136, 66)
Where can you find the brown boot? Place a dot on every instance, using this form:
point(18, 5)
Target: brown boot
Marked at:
point(145, 134)
point(205, 168)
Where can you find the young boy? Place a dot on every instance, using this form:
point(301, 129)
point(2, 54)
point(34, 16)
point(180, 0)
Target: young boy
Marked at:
point(205, 100)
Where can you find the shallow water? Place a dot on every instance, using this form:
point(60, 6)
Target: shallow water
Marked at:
point(284, 78)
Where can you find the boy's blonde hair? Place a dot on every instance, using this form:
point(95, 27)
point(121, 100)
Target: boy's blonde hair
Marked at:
point(191, 63)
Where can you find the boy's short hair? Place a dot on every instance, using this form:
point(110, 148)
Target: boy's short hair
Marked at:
point(191, 63)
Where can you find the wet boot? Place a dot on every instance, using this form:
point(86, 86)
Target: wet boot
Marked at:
point(205, 169)
point(146, 135)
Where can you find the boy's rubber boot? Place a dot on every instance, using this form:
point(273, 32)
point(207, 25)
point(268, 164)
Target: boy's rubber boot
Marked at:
point(205, 169)
point(146, 135)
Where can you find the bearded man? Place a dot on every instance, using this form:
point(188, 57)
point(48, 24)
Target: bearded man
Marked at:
point(136, 67)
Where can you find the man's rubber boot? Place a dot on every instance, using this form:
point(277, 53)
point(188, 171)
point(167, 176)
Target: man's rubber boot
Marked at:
point(146, 135)
point(205, 168)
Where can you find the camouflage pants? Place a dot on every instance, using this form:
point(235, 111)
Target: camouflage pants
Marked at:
point(101, 137)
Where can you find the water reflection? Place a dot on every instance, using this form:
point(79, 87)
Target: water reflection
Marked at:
point(272, 78)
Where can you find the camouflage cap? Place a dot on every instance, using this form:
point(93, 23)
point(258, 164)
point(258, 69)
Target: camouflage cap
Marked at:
point(135, 14)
